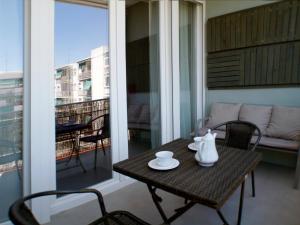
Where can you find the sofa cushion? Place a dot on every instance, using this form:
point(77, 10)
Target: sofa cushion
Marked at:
point(133, 113)
point(278, 143)
point(223, 112)
point(144, 116)
point(258, 115)
point(284, 123)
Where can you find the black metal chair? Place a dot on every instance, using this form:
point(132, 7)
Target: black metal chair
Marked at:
point(20, 214)
point(100, 130)
point(239, 135)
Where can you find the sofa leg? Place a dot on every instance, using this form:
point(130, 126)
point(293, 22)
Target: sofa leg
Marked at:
point(297, 175)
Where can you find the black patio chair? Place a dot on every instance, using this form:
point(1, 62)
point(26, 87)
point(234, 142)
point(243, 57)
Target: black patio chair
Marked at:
point(239, 135)
point(20, 213)
point(100, 131)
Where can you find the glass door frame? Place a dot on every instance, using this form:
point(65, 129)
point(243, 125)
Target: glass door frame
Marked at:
point(39, 107)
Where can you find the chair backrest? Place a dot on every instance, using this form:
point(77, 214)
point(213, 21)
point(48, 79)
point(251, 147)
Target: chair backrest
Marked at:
point(239, 134)
point(106, 124)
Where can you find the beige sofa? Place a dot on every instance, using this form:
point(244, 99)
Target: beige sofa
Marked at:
point(280, 126)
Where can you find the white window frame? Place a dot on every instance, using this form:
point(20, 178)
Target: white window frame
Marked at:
point(200, 65)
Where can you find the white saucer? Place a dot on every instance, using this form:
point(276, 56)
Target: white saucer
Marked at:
point(204, 164)
point(153, 165)
point(192, 147)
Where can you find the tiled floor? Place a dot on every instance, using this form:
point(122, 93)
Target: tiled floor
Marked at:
point(277, 203)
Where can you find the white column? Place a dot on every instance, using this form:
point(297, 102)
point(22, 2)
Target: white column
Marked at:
point(166, 79)
point(176, 69)
point(118, 96)
point(41, 126)
point(200, 57)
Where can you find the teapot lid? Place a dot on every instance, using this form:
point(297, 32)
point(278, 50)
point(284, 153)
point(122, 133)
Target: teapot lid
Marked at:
point(209, 135)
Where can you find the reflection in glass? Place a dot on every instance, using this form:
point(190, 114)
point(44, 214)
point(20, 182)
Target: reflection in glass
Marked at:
point(143, 87)
point(82, 89)
point(187, 69)
point(11, 103)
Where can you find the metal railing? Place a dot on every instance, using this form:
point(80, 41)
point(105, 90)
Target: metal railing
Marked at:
point(81, 112)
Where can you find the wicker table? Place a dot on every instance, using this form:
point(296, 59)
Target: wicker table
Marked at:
point(207, 186)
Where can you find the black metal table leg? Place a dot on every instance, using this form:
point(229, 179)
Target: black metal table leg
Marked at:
point(222, 217)
point(253, 183)
point(157, 204)
point(241, 204)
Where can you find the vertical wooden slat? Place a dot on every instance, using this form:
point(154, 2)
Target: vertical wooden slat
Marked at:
point(243, 24)
point(270, 64)
point(296, 63)
point(218, 34)
point(258, 66)
point(232, 31)
point(289, 63)
point(254, 27)
point(267, 22)
point(248, 28)
point(292, 25)
point(209, 39)
point(223, 33)
point(285, 21)
point(260, 21)
point(238, 30)
point(297, 31)
point(276, 64)
point(228, 32)
point(279, 22)
point(272, 33)
point(263, 79)
point(283, 62)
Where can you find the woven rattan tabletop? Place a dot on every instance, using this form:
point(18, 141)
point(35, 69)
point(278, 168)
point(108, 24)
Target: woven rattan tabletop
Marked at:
point(210, 186)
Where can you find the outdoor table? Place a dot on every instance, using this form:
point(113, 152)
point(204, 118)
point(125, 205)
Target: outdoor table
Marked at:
point(72, 129)
point(210, 186)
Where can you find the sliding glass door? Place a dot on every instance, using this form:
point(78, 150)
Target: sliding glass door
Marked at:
point(143, 76)
point(82, 95)
point(187, 68)
point(11, 103)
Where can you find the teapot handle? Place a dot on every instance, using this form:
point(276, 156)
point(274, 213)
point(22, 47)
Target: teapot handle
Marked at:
point(199, 151)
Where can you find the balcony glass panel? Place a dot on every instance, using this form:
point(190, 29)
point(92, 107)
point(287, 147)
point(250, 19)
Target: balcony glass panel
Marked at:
point(11, 103)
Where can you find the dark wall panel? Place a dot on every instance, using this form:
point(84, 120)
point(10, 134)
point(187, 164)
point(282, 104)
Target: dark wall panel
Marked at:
point(255, 47)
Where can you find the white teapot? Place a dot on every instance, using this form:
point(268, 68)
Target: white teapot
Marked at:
point(207, 153)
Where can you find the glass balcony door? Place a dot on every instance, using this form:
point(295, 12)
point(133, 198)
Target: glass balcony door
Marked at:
point(143, 76)
point(82, 95)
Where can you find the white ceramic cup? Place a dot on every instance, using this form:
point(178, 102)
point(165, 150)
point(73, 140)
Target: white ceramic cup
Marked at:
point(164, 158)
point(198, 141)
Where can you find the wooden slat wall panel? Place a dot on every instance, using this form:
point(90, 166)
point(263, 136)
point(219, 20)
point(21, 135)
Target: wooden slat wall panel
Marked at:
point(257, 66)
point(272, 23)
point(255, 47)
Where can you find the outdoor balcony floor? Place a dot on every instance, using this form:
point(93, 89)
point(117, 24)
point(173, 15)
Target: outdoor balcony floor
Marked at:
point(277, 203)
point(71, 176)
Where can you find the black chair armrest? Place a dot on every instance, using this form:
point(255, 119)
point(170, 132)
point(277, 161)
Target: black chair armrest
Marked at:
point(81, 191)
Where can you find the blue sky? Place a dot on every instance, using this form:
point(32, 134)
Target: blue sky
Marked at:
point(78, 29)
point(11, 35)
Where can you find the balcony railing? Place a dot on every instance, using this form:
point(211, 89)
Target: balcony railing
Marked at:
point(80, 112)
point(85, 75)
